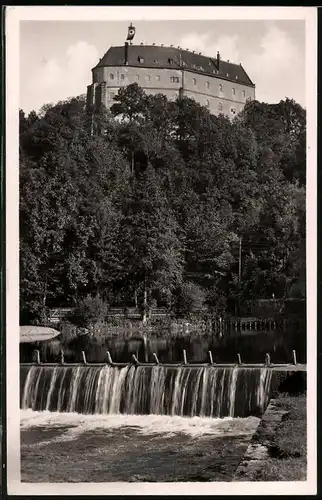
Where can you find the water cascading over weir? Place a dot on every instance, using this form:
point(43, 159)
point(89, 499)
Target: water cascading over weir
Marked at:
point(206, 391)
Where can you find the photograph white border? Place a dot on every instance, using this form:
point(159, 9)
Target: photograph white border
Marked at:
point(13, 16)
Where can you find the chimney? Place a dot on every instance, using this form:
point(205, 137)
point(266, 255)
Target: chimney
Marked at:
point(126, 53)
point(218, 59)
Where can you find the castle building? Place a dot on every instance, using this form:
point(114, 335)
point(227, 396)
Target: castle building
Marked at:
point(223, 87)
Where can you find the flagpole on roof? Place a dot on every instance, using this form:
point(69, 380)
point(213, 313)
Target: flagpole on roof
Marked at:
point(130, 33)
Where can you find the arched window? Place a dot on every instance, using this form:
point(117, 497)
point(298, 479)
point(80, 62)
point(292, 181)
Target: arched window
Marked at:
point(244, 94)
point(137, 77)
point(220, 88)
point(194, 81)
point(148, 77)
point(234, 91)
point(219, 107)
point(207, 85)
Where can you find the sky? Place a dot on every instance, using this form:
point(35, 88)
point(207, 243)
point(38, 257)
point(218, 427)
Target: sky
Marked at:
point(56, 57)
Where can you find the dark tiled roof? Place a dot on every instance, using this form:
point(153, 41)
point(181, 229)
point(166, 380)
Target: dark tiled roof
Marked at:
point(153, 56)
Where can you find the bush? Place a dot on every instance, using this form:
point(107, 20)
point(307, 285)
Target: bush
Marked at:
point(190, 299)
point(89, 311)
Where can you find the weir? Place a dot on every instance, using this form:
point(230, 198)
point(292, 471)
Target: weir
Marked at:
point(187, 390)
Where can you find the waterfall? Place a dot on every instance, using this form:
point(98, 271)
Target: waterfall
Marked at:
point(207, 391)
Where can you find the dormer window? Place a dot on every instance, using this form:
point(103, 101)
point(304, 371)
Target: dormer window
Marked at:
point(156, 61)
point(141, 59)
point(171, 61)
point(227, 74)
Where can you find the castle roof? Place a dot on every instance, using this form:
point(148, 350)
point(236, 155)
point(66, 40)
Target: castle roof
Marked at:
point(153, 56)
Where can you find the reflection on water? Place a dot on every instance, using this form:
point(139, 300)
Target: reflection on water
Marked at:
point(251, 345)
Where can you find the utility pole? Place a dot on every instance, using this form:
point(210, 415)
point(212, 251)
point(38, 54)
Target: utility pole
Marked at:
point(239, 272)
point(240, 260)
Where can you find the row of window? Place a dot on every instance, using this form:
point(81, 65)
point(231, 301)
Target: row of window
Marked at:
point(175, 79)
point(112, 76)
point(148, 77)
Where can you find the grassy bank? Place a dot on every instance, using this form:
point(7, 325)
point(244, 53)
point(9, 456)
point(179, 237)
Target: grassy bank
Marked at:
point(288, 447)
point(284, 443)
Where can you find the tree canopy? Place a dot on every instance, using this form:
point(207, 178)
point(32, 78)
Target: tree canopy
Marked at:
point(156, 198)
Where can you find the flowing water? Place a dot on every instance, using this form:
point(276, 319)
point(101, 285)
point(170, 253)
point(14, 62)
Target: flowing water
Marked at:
point(138, 423)
point(154, 390)
point(73, 447)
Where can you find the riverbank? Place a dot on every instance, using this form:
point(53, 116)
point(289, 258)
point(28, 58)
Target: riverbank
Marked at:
point(278, 450)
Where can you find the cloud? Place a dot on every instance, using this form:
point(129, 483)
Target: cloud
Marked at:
point(276, 64)
point(59, 78)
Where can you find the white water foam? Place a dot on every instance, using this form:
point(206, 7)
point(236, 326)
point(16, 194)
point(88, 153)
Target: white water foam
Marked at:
point(144, 424)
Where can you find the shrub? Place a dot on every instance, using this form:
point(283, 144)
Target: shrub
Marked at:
point(89, 311)
point(190, 299)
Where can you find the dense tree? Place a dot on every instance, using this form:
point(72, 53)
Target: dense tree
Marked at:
point(154, 200)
